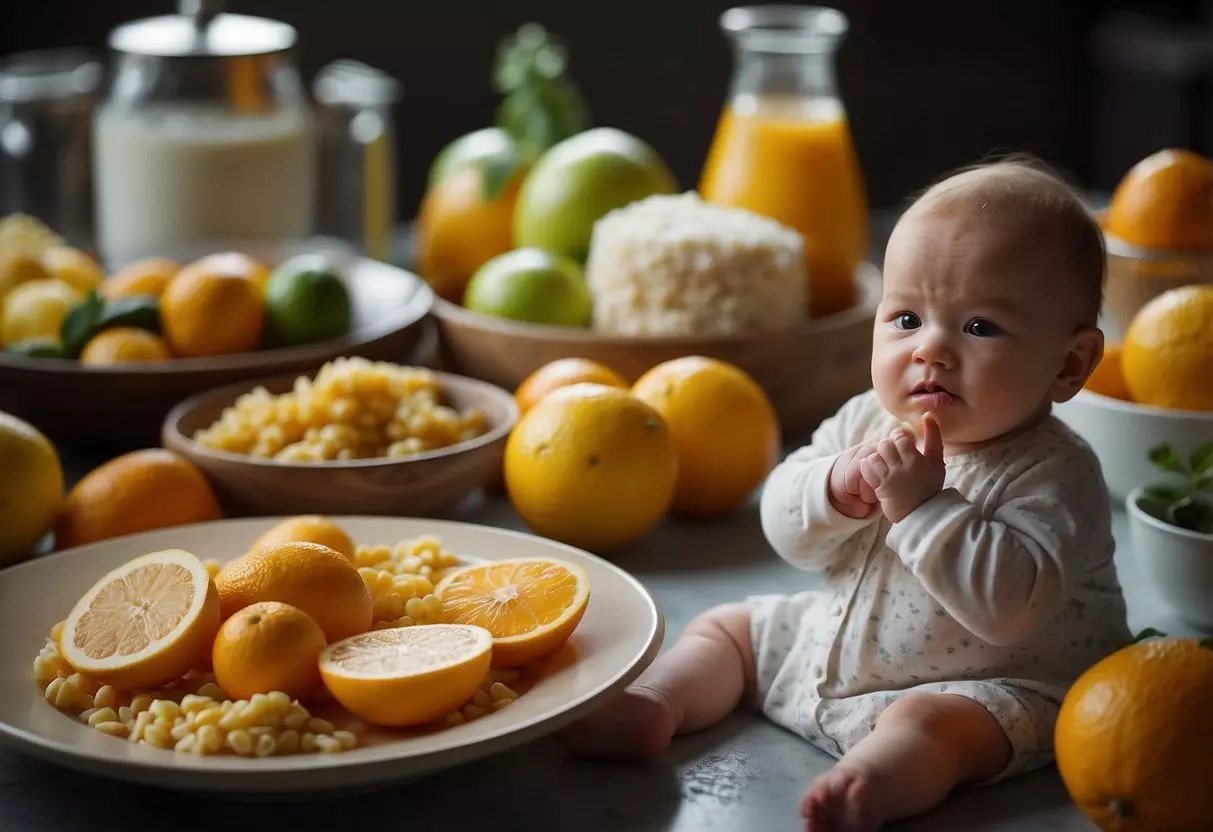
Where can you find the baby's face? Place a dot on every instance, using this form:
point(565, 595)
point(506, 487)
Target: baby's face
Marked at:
point(969, 329)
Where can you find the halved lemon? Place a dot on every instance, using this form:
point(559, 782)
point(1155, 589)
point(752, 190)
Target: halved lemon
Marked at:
point(144, 624)
point(407, 676)
point(530, 605)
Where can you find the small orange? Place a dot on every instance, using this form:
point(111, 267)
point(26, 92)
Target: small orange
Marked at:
point(147, 489)
point(310, 528)
point(266, 647)
point(144, 277)
point(145, 623)
point(458, 231)
point(1132, 738)
point(73, 267)
point(314, 578)
point(561, 373)
point(592, 466)
point(211, 312)
point(727, 432)
point(1108, 378)
point(124, 345)
point(1167, 352)
point(530, 605)
point(233, 264)
point(1165, 201)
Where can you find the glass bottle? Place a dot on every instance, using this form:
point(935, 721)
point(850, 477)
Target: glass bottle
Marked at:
point(783, 145)
point(205, 136)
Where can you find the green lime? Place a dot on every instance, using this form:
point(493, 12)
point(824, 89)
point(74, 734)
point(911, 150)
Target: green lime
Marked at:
point(529, 284)
point(305, 301)
point(578, 181)
point(471, 150)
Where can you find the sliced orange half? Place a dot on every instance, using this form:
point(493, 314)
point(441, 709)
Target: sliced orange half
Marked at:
point(146, 623)
point(530, 605)
point(407, 676)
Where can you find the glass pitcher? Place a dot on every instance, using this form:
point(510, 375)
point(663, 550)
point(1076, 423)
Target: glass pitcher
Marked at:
point(783, 145)
point(205, 135)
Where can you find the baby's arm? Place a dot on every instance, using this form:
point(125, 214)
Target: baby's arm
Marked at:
point(800, 521)
point(1004, 575)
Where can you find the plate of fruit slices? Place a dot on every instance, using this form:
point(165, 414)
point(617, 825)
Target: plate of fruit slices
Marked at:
point(456, 642)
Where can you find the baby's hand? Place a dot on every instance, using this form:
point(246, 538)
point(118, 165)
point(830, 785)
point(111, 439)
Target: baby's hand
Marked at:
point(848, 492)
point(902, 477)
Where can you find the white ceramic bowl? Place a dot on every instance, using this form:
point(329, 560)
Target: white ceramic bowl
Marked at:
point(1122, 434)
point(1178, 561)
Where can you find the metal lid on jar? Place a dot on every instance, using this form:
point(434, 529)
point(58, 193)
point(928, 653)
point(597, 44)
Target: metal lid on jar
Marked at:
point(354, 83)
point(48, 74)
point(201, 30)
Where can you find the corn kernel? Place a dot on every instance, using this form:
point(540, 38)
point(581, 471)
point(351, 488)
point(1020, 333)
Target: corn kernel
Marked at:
point(307, 742)
point(186, 743)
point(279, 702)
point(114, 729)
point(264, 746)
point(473, 711)
point(157, 736)
point(288, 741)
point(102, 715)
point(165, 709)
point(241, 742)
point(210, 737)
point(125, 714)
point(347, 739)
point(106, 697)
point(499, 691)
point(319, 726)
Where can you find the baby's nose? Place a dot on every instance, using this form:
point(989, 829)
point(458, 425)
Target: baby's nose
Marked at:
point(934, 349)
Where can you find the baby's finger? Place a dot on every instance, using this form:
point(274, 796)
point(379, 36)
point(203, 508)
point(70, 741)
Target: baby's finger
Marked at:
point(888, 451)
point(851, 478)
point(867, 493)
point(907, 447)
point(874, 471)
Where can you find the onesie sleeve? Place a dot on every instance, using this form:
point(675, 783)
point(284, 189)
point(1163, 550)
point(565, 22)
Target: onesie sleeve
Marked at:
point(798, 519)
point(1004, 570)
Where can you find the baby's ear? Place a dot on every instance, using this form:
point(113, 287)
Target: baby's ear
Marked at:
point(1082, 357)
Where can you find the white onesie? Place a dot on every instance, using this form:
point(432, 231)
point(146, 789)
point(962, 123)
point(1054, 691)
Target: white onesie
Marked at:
point(1001, 588)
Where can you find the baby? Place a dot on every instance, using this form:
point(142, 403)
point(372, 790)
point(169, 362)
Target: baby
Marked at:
point(964, 532)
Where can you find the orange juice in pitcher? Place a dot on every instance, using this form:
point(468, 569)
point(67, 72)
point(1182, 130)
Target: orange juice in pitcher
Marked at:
point(783, 146)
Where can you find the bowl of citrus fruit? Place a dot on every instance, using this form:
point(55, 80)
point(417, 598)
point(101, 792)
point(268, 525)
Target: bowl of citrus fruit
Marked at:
point(310, 652)
point(101, 357)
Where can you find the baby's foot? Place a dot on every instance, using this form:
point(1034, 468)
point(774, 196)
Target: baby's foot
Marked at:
point(638, 724)
point(841, 800)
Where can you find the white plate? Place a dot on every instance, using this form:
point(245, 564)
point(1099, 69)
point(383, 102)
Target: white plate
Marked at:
point(617, 638)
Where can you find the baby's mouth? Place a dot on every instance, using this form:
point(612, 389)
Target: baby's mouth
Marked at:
point(930, 395)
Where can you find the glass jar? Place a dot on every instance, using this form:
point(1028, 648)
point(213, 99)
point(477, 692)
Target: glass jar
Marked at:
point(357, 151)
point(46, 103)
point(205, 134)
point(783, 145)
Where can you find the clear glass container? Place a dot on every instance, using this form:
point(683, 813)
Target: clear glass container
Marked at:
point(356, 142)
point(205, 134)
point(46, 103)
point(783, 146)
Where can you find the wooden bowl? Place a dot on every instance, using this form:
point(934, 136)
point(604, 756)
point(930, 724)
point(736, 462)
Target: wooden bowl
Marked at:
point(121, 407)
point(807, 371)
point(422, 485)
point(1137, 275)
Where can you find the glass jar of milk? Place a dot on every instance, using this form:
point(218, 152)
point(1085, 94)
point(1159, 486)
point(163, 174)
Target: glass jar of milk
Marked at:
point(205, 135)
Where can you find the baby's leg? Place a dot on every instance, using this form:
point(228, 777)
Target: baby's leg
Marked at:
point(693, 685)
point(923, 746)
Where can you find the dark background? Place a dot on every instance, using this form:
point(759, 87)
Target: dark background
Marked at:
point(1089, 87)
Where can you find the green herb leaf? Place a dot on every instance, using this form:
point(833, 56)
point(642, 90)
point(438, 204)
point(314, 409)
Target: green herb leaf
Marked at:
point(1148, 632)
point(1164, 493)
point(1167, 458)
point(1204, 482)
point(142, 311)
point(1191, 514)
point(80, 324)
point(37, 348)
point(1202, 460)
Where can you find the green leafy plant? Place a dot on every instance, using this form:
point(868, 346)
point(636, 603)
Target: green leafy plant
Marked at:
point(1188, 501)
point(94, 314)
point(541, 103)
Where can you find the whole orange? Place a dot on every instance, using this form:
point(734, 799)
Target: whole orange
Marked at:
point(211, 312)
point(592, 466)
point(561, 373)
point(727, 431)
point(267, 647)
point(143, 277)
point(459, 230)
point(1165, 201)
point(308, 528)
point(1167, 352)
point(1132, 738)
point(124, 345)
point(312, 577)
point(147, 489)
point(1108, 377)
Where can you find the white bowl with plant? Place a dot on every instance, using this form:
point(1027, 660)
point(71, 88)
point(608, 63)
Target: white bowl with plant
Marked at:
point(1171, 530)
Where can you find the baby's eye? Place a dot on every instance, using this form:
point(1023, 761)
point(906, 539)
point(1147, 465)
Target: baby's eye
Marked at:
point(981, 328)
point(906, 320)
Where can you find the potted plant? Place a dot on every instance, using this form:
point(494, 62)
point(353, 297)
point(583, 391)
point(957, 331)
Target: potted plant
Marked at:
point(1171, 530)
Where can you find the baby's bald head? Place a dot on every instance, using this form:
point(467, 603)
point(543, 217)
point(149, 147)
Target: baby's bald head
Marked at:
point(1036, 215)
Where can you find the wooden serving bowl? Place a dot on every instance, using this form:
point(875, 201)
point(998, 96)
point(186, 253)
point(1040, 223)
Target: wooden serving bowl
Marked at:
point(424, 484)
point(122, 406)
point(807, 371)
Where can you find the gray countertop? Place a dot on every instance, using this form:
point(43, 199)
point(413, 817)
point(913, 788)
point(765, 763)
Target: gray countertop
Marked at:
point(744, 774)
